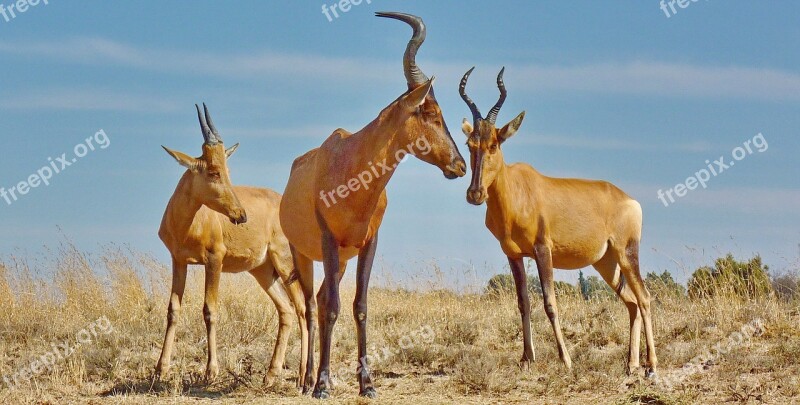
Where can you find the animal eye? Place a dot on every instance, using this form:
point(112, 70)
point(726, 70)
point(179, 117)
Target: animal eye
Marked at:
point(493, 148)
point(214, 175)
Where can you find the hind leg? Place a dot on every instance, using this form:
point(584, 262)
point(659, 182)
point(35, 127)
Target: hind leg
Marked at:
point(305, 269)
point(609, 269)
point(266, 276)
point(280, 255)
point(629, 265)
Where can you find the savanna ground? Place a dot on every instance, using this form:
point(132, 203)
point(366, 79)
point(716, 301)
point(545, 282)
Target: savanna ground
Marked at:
point(432, 347)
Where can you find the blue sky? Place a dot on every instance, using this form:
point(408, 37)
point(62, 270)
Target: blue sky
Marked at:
point(613, 90)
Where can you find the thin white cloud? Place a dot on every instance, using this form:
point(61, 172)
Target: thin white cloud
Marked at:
point(741, 200)
point(601, 143)
point(630, 77)
point(97, 51)
point(310, 131)
point(87, 100)
point(665, 79)
point(747, 200)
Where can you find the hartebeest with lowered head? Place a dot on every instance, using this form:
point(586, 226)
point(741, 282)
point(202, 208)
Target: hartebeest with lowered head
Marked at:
point(560, 223)
point(334, 233)
point(227, 229)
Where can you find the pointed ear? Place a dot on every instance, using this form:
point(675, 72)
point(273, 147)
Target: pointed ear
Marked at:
point(230, 151)
point(511, 128)
point(467, 128)
point(416, 97)
point(182, 158)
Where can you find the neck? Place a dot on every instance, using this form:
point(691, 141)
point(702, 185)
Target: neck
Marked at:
point(182, 208)
point(499, 202)
point(374, 150)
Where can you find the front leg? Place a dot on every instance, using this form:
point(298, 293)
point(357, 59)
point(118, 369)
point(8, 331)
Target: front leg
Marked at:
point(179, 270)
point(213, 272)
point(544, 262)
point(524, 304)
point(329, 308)
point(365, 259)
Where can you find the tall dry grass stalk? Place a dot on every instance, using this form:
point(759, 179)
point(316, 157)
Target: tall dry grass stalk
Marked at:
point(428, 346)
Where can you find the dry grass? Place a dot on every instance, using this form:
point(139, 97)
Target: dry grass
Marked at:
point(431, 347)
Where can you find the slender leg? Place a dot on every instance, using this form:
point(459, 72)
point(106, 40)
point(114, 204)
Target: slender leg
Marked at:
point(213, 271)
point(280, 255)
point(524, 304)
point(629, 263)
point(610, 271)
point(329, 309)
point(297, 299)
point(365, 259)
point(544, 263)
point(173, 311)
point(305, 267)
point(266, 276)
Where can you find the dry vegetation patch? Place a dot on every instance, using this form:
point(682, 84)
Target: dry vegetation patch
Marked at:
point(426, 347)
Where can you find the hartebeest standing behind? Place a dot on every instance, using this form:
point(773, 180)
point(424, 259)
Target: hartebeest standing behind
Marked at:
point(227, 229)
point(334, 231)
point(560, 223)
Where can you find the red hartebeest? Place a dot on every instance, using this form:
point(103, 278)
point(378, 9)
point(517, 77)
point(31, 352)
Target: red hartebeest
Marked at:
point(227, 229)
point(334, 231)
point(560, 223)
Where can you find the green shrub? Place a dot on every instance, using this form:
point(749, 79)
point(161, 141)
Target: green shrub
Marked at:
point(504, 284)
point(787, 285)
point(664, 285)
point(594, 287)
point(730, 277)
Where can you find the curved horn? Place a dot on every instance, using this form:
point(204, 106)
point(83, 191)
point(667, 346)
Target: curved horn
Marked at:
point(211, 125)
point(462, 89)
point(492, 117)
point(208, 136)
point(414, 75)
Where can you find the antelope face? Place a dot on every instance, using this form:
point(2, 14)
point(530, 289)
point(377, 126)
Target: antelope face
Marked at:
point(428, 135)
point(210, 179)
point(486, 157)
point(484, 141)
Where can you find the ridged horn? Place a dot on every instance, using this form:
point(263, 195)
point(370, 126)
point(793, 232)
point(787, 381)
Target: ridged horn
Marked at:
point(492, 117)
point(211, 125)
point(462, 89)
point(414, 75)
point(208, 136)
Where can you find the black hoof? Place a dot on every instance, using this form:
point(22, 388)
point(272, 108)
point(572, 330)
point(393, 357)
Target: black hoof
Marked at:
point(649, 373)
point(321, 394)
point(369, 393)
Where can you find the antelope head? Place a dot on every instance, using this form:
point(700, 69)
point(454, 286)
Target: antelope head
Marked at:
point(422, 120)
point(208, 176)
point(484, 141)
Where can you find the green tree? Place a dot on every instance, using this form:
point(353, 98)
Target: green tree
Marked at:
point(664, 284)
point(504, 284)
point(747, 279)
point(582, 284)
point(564, 288)
point(787, 285)
point(598, 288)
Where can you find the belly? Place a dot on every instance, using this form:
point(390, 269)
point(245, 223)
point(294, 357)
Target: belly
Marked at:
point(569, 251)
point(298, 215)
point(577, 254)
